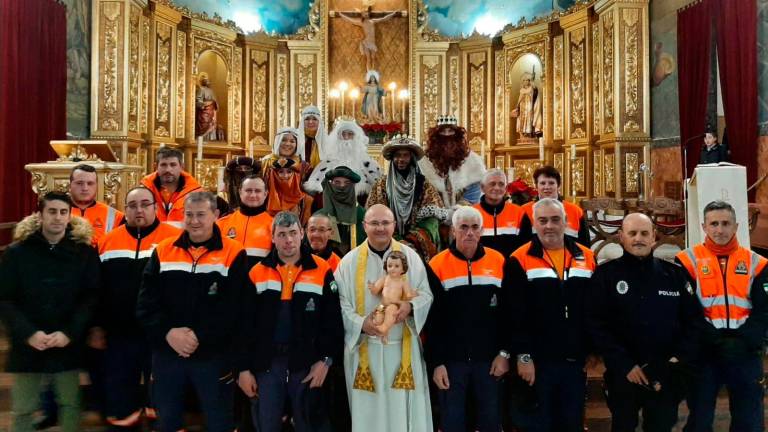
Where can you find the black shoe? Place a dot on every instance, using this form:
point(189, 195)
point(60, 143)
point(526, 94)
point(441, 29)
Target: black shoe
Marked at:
point(46, 422)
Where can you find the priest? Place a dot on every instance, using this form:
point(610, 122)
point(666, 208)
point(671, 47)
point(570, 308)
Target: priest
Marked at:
point(387, 383)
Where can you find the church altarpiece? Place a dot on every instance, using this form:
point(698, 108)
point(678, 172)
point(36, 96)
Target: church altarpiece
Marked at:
point(587, 67)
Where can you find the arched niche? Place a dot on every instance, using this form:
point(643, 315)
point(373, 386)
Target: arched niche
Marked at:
point(212, 63)
point(527, 63)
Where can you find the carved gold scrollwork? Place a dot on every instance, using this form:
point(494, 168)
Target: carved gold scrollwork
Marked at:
point(476, 144)
point(430, 91)
point(110, 112)
point(578, 104)
point(558, 163)
point(282, 89)
point(477, 99)
point(631, 170)
point(306, 82)
point(206, 172)
point(259, 68)
point(144, 74)
point(558, 87)
point(181, 82)
point(630, 61)
point(237, 66)
point(163, 79)
point(596, 84)
point(112, 183)
point(39, 183)
point(208, 41)
point(610, 169)
point(524, 169)
point(133, 73)
point(499, 97)
point(453, 79)
point(597, 169)
point(608, 61)
point(577, 176)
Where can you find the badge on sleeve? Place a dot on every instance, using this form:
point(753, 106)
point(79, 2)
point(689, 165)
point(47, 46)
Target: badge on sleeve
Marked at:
point(232, 233)
point(334, 286)
point(689, 288)
point(705, 270)
point(622, 287)
point(741, 268)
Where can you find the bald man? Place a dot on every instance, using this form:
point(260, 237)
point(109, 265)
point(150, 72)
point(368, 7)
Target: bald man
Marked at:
point(642, 318)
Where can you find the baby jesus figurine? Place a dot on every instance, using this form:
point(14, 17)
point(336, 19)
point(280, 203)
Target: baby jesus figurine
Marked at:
point(394, 291)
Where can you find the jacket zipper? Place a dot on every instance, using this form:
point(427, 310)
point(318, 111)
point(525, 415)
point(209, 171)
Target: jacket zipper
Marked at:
point(469, 280)
point(138, 242)
point(494, 222)
point(725, 293)
point(194, 261)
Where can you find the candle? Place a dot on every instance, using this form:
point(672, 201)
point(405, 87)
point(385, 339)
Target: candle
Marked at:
point(573, 151)
point(250, 149)
point(541, 150)
point(343, 86)
point(403, 95)
point(200, 147)
point(392, 88)
point(353, 94)
point(334, 94)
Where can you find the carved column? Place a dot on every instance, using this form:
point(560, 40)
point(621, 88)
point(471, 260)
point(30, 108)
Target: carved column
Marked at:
point(260, 76)
point(623, 129)
point(429, 80)
point(307, 77)
point(162, 124)
point(477, 94)
point(118, 68)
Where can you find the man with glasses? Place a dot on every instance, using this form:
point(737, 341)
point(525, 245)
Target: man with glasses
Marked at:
point(319, 232)
point(124, 252)
point(468, 343)
point(387, 383)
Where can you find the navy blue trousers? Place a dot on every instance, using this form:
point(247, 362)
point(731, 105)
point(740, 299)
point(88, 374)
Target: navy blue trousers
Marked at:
point(464, 377)
point(560, 386)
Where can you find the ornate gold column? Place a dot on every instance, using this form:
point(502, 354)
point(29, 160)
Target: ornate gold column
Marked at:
point(477, 93)
point(119, 67)
point(623, 126)
point(162, 124)
point(260, 76)
point(308, 79)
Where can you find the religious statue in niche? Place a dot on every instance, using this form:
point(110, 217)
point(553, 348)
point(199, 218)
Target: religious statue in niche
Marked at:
point(373, 94)
point(206, 107)
point(528, 109)
point(367, 20)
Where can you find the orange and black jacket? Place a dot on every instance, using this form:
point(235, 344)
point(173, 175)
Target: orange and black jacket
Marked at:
point(504, 227)
point(173, 210)
point(124, 253)
point(330, 256)
point(252, 228)
point(577, 228)
point(316, 329)
point(103, 219)
point(203, 294)
point(469, 320)
point(549, 314)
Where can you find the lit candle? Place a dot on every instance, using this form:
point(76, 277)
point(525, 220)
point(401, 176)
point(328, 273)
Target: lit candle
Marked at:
point(250, 149)
point(403, 97)
point(343, 86)
point(200, 147)
point(353, 94)
point(392, 88)
point(335, 93)
point(541, 150)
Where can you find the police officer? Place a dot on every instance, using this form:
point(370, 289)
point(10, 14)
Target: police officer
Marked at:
point(502, 220)
point(730, 282)
point(642, 319)
point(189, 305)
point(549, 279)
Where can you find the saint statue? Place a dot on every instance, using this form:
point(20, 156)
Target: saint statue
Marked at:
point(528, 109)
point(367, 22)
point(373, 93)
point(206, 107)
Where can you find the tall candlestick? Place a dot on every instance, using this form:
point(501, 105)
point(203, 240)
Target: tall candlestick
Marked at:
point(541, 150)
point(402, 119)
point(392, 88)
point(354, 94)
point(200, 147)
point(343, 86)
point(250, 149)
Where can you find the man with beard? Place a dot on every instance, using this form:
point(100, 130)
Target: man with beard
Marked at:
point(250, 224)
point(319, 231)
point(347, 145)
point(417, 205)
point(452, 168)
point(313, 129)
point(340, 204)
point(170, 185)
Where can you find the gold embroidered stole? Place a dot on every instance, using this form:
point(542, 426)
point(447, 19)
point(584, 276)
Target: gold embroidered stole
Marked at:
point(363, 378)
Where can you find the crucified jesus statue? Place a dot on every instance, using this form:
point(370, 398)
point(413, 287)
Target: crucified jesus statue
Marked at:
point(367, 20)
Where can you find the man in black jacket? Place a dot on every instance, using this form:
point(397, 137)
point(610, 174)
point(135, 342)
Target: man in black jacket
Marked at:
point(189, 304)
point(642, 319)
point(293, 331)
point(48, 283)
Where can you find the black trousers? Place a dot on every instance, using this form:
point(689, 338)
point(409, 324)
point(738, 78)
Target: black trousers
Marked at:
point(626, 400)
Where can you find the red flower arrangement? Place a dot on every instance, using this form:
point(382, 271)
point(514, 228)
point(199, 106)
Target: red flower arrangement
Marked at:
point(378, 131)
point(520, 193)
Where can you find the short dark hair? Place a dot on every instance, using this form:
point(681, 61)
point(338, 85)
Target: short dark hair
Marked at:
point(168, 152)
point(53, 196)
point(719, 205)
point(252, 177)
point(285, 219)
point(81, 167)
point(137, 188)
point(397, 255)
point(546, 171)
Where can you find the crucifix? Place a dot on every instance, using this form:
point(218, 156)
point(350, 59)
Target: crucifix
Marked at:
point(367, 19)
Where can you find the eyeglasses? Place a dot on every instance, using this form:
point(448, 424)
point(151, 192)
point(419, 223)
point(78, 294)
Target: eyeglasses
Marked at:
point(377, 224)
point(144, 205)
point(318, 230)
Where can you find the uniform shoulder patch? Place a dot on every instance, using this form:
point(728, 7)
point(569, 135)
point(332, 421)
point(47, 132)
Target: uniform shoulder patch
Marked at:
point(334, 286)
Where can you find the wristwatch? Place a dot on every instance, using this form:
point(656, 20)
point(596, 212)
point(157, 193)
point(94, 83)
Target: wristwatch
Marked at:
point(524, 358)
point(328, 361)
point(504, 354)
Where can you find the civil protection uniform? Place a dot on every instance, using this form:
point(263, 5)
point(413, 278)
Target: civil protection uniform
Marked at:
point(124, 253)
point(294, 321)
point(641, 314)
point(251, 227)
point(503, 226)
point(730, 282)
point(469, 329)
point(577, 228)
point(198, 286)
point(172, 209)
point(103, 218)
point(549, 323)
point(330, 256)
